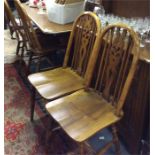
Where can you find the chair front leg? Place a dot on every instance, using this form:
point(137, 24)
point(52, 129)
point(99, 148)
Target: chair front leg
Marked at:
point(29, 62)
point(38, 64)
point(81, 148)
point(32, 103)
point(12, 32)
point(17, 48)
point(22, 51)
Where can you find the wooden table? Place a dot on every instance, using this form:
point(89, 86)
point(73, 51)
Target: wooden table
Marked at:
point(41, 20)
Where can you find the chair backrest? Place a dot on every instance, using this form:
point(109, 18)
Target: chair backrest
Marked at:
point(11, 20)
point(115, 65)
point(28, 27)
point(81, 42)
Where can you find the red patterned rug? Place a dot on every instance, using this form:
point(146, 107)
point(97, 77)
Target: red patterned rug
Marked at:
point(23, 137)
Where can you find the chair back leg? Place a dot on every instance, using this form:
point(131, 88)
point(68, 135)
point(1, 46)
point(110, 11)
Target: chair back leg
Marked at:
point(32, 103)
point(116, 140)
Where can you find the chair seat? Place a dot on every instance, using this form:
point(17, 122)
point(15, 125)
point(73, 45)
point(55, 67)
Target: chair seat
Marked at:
point(56, 83)
point(82, 114)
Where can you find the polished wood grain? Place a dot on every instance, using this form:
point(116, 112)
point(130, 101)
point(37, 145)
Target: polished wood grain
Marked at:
point(128, 8)
point(56, 83)
point(71, 76)
point(41, 20)
point(134, 126)
point(82, 114)
point(99, 105)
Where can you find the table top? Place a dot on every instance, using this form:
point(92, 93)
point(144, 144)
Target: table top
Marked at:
point(41, 20)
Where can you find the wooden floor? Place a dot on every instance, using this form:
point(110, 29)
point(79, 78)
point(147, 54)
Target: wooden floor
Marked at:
point(9, 48)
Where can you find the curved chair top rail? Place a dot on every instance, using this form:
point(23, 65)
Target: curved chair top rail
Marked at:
point(82, 39)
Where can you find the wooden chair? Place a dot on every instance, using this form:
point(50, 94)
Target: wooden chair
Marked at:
point(85, 112)
point(70, 78)
point(8, 18)
point(40, 44)
point(15, 28)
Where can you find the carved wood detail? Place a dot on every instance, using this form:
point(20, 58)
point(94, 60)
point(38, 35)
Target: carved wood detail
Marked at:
point(117, 46)
point(83, 40)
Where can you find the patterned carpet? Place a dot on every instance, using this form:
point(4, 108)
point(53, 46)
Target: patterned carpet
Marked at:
point(23, 137)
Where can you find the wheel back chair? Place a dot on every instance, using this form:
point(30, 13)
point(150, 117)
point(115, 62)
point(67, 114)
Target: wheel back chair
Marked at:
point(15, 28)
point(71, 76)
point(99, 105)
point(9, 20)
point(40, 45)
